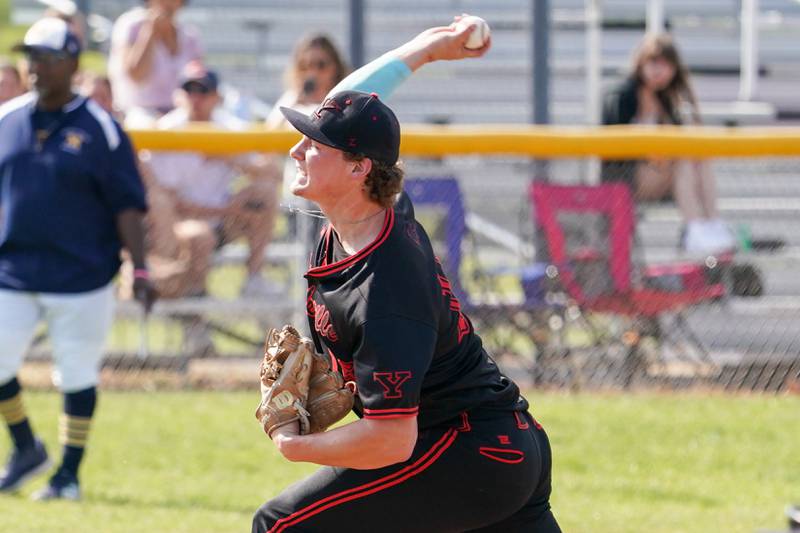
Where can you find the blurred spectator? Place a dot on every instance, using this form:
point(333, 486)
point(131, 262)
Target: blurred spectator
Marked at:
point(316, 68)
point(10, 82)
point(68, 11)
point(70, 199)
point(149, 49)
point(653, 94)
point(190, 187)
point(98, 88)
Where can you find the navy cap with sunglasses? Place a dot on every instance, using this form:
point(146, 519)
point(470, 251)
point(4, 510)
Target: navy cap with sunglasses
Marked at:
point(198, 79)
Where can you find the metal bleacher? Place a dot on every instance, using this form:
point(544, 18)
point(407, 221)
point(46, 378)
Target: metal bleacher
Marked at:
point(250, 41)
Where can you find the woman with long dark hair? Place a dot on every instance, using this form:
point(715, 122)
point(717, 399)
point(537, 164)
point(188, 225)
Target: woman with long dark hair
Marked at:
point(656, 91)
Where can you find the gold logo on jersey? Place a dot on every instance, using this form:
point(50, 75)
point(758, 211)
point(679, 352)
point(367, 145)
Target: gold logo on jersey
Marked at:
point(74, 139)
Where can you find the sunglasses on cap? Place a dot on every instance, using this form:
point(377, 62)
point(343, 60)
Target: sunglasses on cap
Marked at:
point(196, 88)
point(45, 57)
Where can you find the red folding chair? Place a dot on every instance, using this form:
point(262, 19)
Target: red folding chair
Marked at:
point(589, 231)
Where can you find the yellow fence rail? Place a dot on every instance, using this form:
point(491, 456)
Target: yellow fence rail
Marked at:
point(623, 142)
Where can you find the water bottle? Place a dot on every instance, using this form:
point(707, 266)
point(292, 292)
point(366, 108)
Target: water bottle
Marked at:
point(744, 237)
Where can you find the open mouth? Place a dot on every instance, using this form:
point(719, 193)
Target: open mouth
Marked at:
point(300, 178)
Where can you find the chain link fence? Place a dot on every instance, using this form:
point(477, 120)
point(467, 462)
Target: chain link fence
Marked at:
point(570, 285)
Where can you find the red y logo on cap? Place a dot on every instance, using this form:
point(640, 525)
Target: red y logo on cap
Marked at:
point(328, 104)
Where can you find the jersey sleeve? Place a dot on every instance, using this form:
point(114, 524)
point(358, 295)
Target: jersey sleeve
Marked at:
point(120, 183)
point(390, 364)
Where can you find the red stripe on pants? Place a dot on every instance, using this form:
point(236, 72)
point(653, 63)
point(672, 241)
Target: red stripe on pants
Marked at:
point(372, 487)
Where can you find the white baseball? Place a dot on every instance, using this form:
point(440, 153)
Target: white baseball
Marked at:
point(481, 33)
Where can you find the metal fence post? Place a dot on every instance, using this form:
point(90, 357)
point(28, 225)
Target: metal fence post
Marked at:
point(540, 41)
point(748, 69)
point(356, 33)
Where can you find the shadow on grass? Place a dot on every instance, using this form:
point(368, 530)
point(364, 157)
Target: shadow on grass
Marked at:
point(666, 495)
point(168, 504)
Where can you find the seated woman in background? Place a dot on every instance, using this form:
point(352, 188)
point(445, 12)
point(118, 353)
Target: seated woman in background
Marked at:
point(653, 94)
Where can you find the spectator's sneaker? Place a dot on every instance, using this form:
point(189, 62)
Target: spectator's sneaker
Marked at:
point(707, 237)
point(723, 236)
point(23, 465)
point(60, 487)
point(259, 287)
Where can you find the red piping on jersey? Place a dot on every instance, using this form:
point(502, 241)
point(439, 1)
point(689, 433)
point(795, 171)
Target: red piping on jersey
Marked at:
point(512, 457)
point(465, 426)
point(399, 412)
point(334, 361)
point(326, 231)
point(372, 487)
point(326, 270)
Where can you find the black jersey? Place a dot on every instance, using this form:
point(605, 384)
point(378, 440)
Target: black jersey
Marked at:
point(389, 320)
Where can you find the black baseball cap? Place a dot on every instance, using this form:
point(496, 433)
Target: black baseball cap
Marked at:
point(352, 121)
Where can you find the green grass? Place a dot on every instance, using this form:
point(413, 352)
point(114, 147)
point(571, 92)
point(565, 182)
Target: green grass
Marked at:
point(197, 461)
point(5, 6)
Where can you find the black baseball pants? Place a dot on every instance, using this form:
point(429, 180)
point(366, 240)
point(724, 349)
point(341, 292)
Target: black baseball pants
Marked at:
point(490, 472)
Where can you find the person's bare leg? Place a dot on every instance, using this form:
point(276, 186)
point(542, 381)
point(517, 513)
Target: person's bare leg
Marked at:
point(686, 190)
point(707, 188)
point(695, 194)
point(197, 241)
point(162, 216)
point(254, 220)
point(653, 181)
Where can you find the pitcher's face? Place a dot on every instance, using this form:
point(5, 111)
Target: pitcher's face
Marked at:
point(322, 171)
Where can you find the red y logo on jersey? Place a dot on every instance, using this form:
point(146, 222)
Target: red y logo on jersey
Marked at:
point(391, 381)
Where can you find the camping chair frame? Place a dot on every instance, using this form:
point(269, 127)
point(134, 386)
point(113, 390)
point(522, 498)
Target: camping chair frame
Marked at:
point(641, 301)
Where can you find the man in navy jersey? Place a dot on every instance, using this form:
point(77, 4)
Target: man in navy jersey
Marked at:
point(444, 441)
point(70, 198)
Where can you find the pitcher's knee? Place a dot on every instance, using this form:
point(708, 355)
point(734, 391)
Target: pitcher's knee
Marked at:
point(265, 518)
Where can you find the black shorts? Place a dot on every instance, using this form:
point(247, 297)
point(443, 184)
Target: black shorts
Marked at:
point(490, 472)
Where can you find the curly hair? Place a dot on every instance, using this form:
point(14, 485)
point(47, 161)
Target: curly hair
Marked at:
point(383, 182)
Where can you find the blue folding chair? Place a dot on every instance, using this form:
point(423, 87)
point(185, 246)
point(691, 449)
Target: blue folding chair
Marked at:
point(445, 193)
point(529, 316)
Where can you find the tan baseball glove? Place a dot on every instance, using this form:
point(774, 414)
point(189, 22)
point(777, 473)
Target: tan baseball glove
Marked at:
point(285, 372)
point(298, 384)
point(329, 397)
